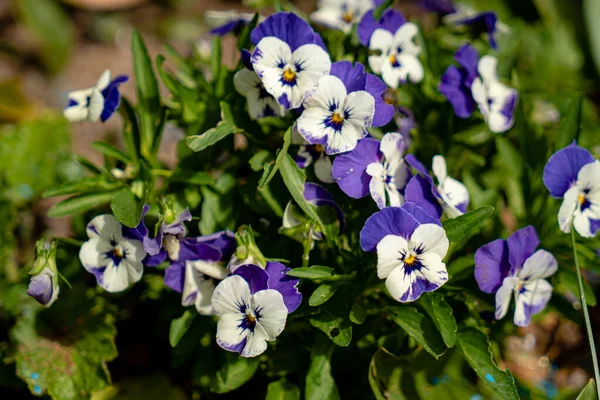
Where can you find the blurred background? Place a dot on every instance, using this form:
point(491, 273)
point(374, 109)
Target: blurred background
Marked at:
point(50, 47)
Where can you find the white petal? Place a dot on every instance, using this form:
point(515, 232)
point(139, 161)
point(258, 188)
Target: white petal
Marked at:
point(93, 253)
point(376, 63)
point(116, 278)
point(567, 208)
point(315, 63)
point(430, 238)
point(487, 69)
point(480, 95)
point(323, 169)
point(541, 264)
point(361, 106)
point(434, 270)
point(393, 146)
point(331, 17)
point(389, 250)
point(212, 269)
point(453, 193)
point(330, 90)
point(440, 170)
point(104, 80)
point(135, 270)
point(96, 106)
point(190, 288)
point(390, 75)
point(229, 293)
point(229, 332)
point(503, 296)
point(404, 38)
point(589, 177)
point(400, 284)
point(377, 189)
point(206, 287)
point(266, 59)
point(536, 296)
point(394, 196)
point(273, 312)
point(290, 213)
point(134, 250)
point(411, 68)
point(256, 343)
point(76, 113)
point(311, 126)
point(246, 81)
point(105, 226)
point(382, 40)
point(344, 140)
point(581, 223)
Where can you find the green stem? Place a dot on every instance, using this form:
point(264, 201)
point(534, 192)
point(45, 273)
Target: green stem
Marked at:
point(307, 245)
point(586, 315)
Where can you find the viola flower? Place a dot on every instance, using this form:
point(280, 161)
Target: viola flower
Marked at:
point(252, 306)
point(457, 81)
point(514, 266)
point(573, 174)
point(393, 37)
point(315, 153)
point(318, 196)
point(168, 235)
point(374, 167)
point(99, 102)
point(345, 103)
point(43, 285)
point(438, 6)
point(410, 247)
point(197, 266)
point(448, 195)
point(289, 57)
point(260, 102)
point(496, 101)
point(113, 254)
point(341, 14)
point(227, 21)
point(480, 22)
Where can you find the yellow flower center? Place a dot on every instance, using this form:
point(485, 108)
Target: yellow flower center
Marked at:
point(319, 148)
point(289, 76)
point(410, 259)
point(348, 16)
point(393, 59)
point(581, 198)
point(118, 252)
point(337, 119)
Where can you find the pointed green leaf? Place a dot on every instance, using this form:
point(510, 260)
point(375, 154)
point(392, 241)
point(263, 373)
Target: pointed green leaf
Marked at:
point(322, 294)
point(79, 204)
point(570, 122)
point(588, 392)
point(462, 227)
point(315, 272)
point(282, 390)
point(86, 185)
point(111, 151)
point(211, 136)
point(568, 283)
point(243, 41)
point(233, 372)
point(441, 313)
point(476, 349)
point(381, 8)
point(179, 326)
point(421, 328)
point(281, 154)
point(319, 382)
point(126, 208)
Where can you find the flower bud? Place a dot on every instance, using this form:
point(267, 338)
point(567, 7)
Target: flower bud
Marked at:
point(44, 276)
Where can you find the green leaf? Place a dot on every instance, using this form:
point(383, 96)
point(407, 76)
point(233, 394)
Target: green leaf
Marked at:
point(385, 376)
point(147, 90)
point(591, 13)
point(570, 122)
point(510, 157)
point(213, 135)
point(314, 273)
point(460, 228)
point(568, 283)
point(62, 351)
point(52, 28)
point(281, 154)
point(111, 151)
point(79, 204)
point(333, 321)
point(441, 313)
point(217, 211)
point(131, 129)
point(294, 179)
point(588, 392)
point(476, 349)
point(126, 208)
point(358, 313)
point(419, 327)
point(86, 185)
point(322, 294)
point(179, 326)
point(243, 41)
point(381, 8)
point(258, 160)
point(282, 390)
point(319, 382)
point(195, 178)
point(234, 372)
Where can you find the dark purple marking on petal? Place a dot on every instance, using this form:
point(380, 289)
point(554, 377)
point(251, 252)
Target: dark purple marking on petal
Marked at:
point(419, 286)
point(389, 221)
point(508, 109)
point(562, 168)
point(521, 245)
point(350, 169)
point(236, 348)
point(491, 265)
point(112, 97)
point(286, 285)
point(256, 277)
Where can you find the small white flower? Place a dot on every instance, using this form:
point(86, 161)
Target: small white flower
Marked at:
point(581, 204)
point(496, 101)
point(260, 102)
point(398, 61)
point(287, 75)
point(334, 118)
point(199, 284)
point(454, 194)
point(115, 260)
point(391, 174)
point(531, 291)
point(87, 104)
point(247, 321)
point(340, 14)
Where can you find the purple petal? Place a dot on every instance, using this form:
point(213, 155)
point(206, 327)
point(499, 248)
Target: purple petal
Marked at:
point(491, 265)
point(438, 6)
point(454, 88)
point(236, 348)
point(419, 286)
point(140, 231)
point(384, 112)
point(224, 241)
point(112, 97)
point(288, 27)
point(153, 245)
point(391, 20)
point(420, 214)
point(389, 221)
point(175, 276)
point(468, 58)
point(521, 245)
point(484, 22)
point(319, 196)
point(286, 285)
point(190, 249)
point(416, 164)
point(234, 24)
point(256, 277)
point(405, 120)
point(155, 260)
point(350, 169)
point(354, 78)
point(245, 57)
point(562, 168)
point(41, 288)
point(420, 191)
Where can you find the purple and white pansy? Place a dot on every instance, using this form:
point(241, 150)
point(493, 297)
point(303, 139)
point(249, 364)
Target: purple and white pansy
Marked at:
point(393, 37)
point(514, 267)
point(198, 265)
point(573, 174)
point(485, 22)
point(98, 102)
point(449, 195)
point(374, 167)
point(252, 306)
point(457, 81)
point(410, 246)
point(113, 253)
point(289, 57)
point(260, 102)
point(341, 14)
point(496, 101)
point(341, 108)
